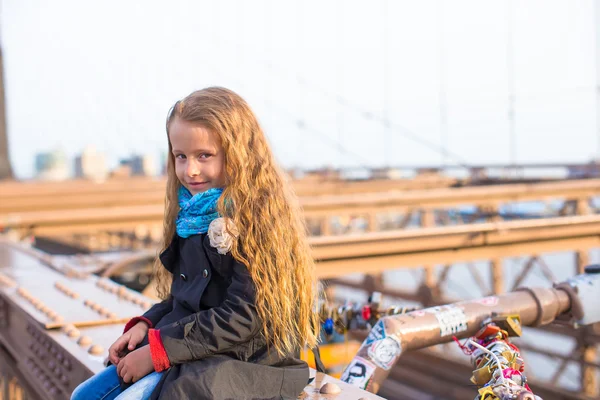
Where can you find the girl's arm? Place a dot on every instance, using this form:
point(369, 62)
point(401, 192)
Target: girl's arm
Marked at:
point(210, 331)
point(153, 315)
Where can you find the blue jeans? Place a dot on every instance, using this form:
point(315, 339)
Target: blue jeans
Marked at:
point(105, 385)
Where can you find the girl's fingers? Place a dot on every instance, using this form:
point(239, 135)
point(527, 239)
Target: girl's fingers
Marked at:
point(113, 359)
point(113, 355)
point(133, 342)
point(120, 369)
point(119, 344)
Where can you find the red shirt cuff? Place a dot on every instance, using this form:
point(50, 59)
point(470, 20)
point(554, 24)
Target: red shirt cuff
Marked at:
point(157, 350)
point(134, 321)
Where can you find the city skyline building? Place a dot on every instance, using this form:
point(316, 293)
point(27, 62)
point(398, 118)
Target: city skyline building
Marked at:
point(91, 164)
point(52, 166)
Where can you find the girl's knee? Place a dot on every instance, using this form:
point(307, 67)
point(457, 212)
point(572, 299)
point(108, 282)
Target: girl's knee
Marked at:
point(88, 391)
point(104, 385)
point(81, 391)
point(141, 390)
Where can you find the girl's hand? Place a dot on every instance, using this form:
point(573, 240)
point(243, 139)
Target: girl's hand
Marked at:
point(127, 342)
point(136, 365)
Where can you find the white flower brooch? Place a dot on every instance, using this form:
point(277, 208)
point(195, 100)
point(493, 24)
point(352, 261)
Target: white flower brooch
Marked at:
point(219, 237)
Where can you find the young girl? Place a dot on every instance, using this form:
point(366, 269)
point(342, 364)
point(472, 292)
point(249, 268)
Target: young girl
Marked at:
point(235, 273)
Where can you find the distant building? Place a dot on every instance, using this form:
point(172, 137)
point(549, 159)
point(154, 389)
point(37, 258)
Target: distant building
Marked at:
point(52, 166)
point(323, 174)
point(143, 165)
point(164, 161)
point(386, 173)
point(91, 165)
point(589, 170)
point(356, 174)
point(137, 165)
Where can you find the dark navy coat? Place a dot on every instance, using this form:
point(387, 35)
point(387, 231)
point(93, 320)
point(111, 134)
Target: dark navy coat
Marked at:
point(212, 333)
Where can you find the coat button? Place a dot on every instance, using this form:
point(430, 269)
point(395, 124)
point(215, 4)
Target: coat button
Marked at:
point(183, 277)
point(205, 273)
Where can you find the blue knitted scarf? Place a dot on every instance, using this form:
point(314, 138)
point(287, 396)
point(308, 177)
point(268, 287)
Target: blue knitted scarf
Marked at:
point(197, 211)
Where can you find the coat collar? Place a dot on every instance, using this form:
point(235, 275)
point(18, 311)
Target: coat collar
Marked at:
point(168, 257)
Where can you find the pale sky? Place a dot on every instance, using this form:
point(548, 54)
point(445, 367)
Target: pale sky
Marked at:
point(106, 72)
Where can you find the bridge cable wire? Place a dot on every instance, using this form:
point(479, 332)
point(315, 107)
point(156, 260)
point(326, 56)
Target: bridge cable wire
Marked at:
point(361, 111)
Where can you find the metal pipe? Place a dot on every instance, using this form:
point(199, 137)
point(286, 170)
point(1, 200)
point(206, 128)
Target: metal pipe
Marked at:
point(393, 335)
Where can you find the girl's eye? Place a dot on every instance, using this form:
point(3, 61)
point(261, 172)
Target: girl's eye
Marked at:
point(204, 155)
point(180, 156)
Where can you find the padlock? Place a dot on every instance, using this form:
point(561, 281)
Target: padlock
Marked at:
point(481, 376)
point(338, 323)
point(509, 323)
point(328, 326)
point(366, 313)
point(486, 393)
point(488, 330)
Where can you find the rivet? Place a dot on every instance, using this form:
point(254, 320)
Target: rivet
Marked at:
point(330, 388)
point(84, 341)
point(96, 350)
point(74, 333)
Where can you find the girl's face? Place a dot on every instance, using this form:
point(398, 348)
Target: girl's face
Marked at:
point(199, 156)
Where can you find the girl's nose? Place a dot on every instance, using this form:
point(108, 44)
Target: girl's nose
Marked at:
point(192, 169)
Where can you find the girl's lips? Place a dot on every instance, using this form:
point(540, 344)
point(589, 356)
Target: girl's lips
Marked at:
point(197, 183)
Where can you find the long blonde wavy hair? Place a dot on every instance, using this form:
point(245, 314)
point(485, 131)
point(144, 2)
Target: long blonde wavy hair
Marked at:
point(272, 239)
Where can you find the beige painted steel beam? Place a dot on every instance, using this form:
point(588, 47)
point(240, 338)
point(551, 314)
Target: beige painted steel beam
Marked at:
point(372, 252)
point(376, 252)
point(14, 189)
point(317, 200)
point(70, 212)
point(447, 198)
